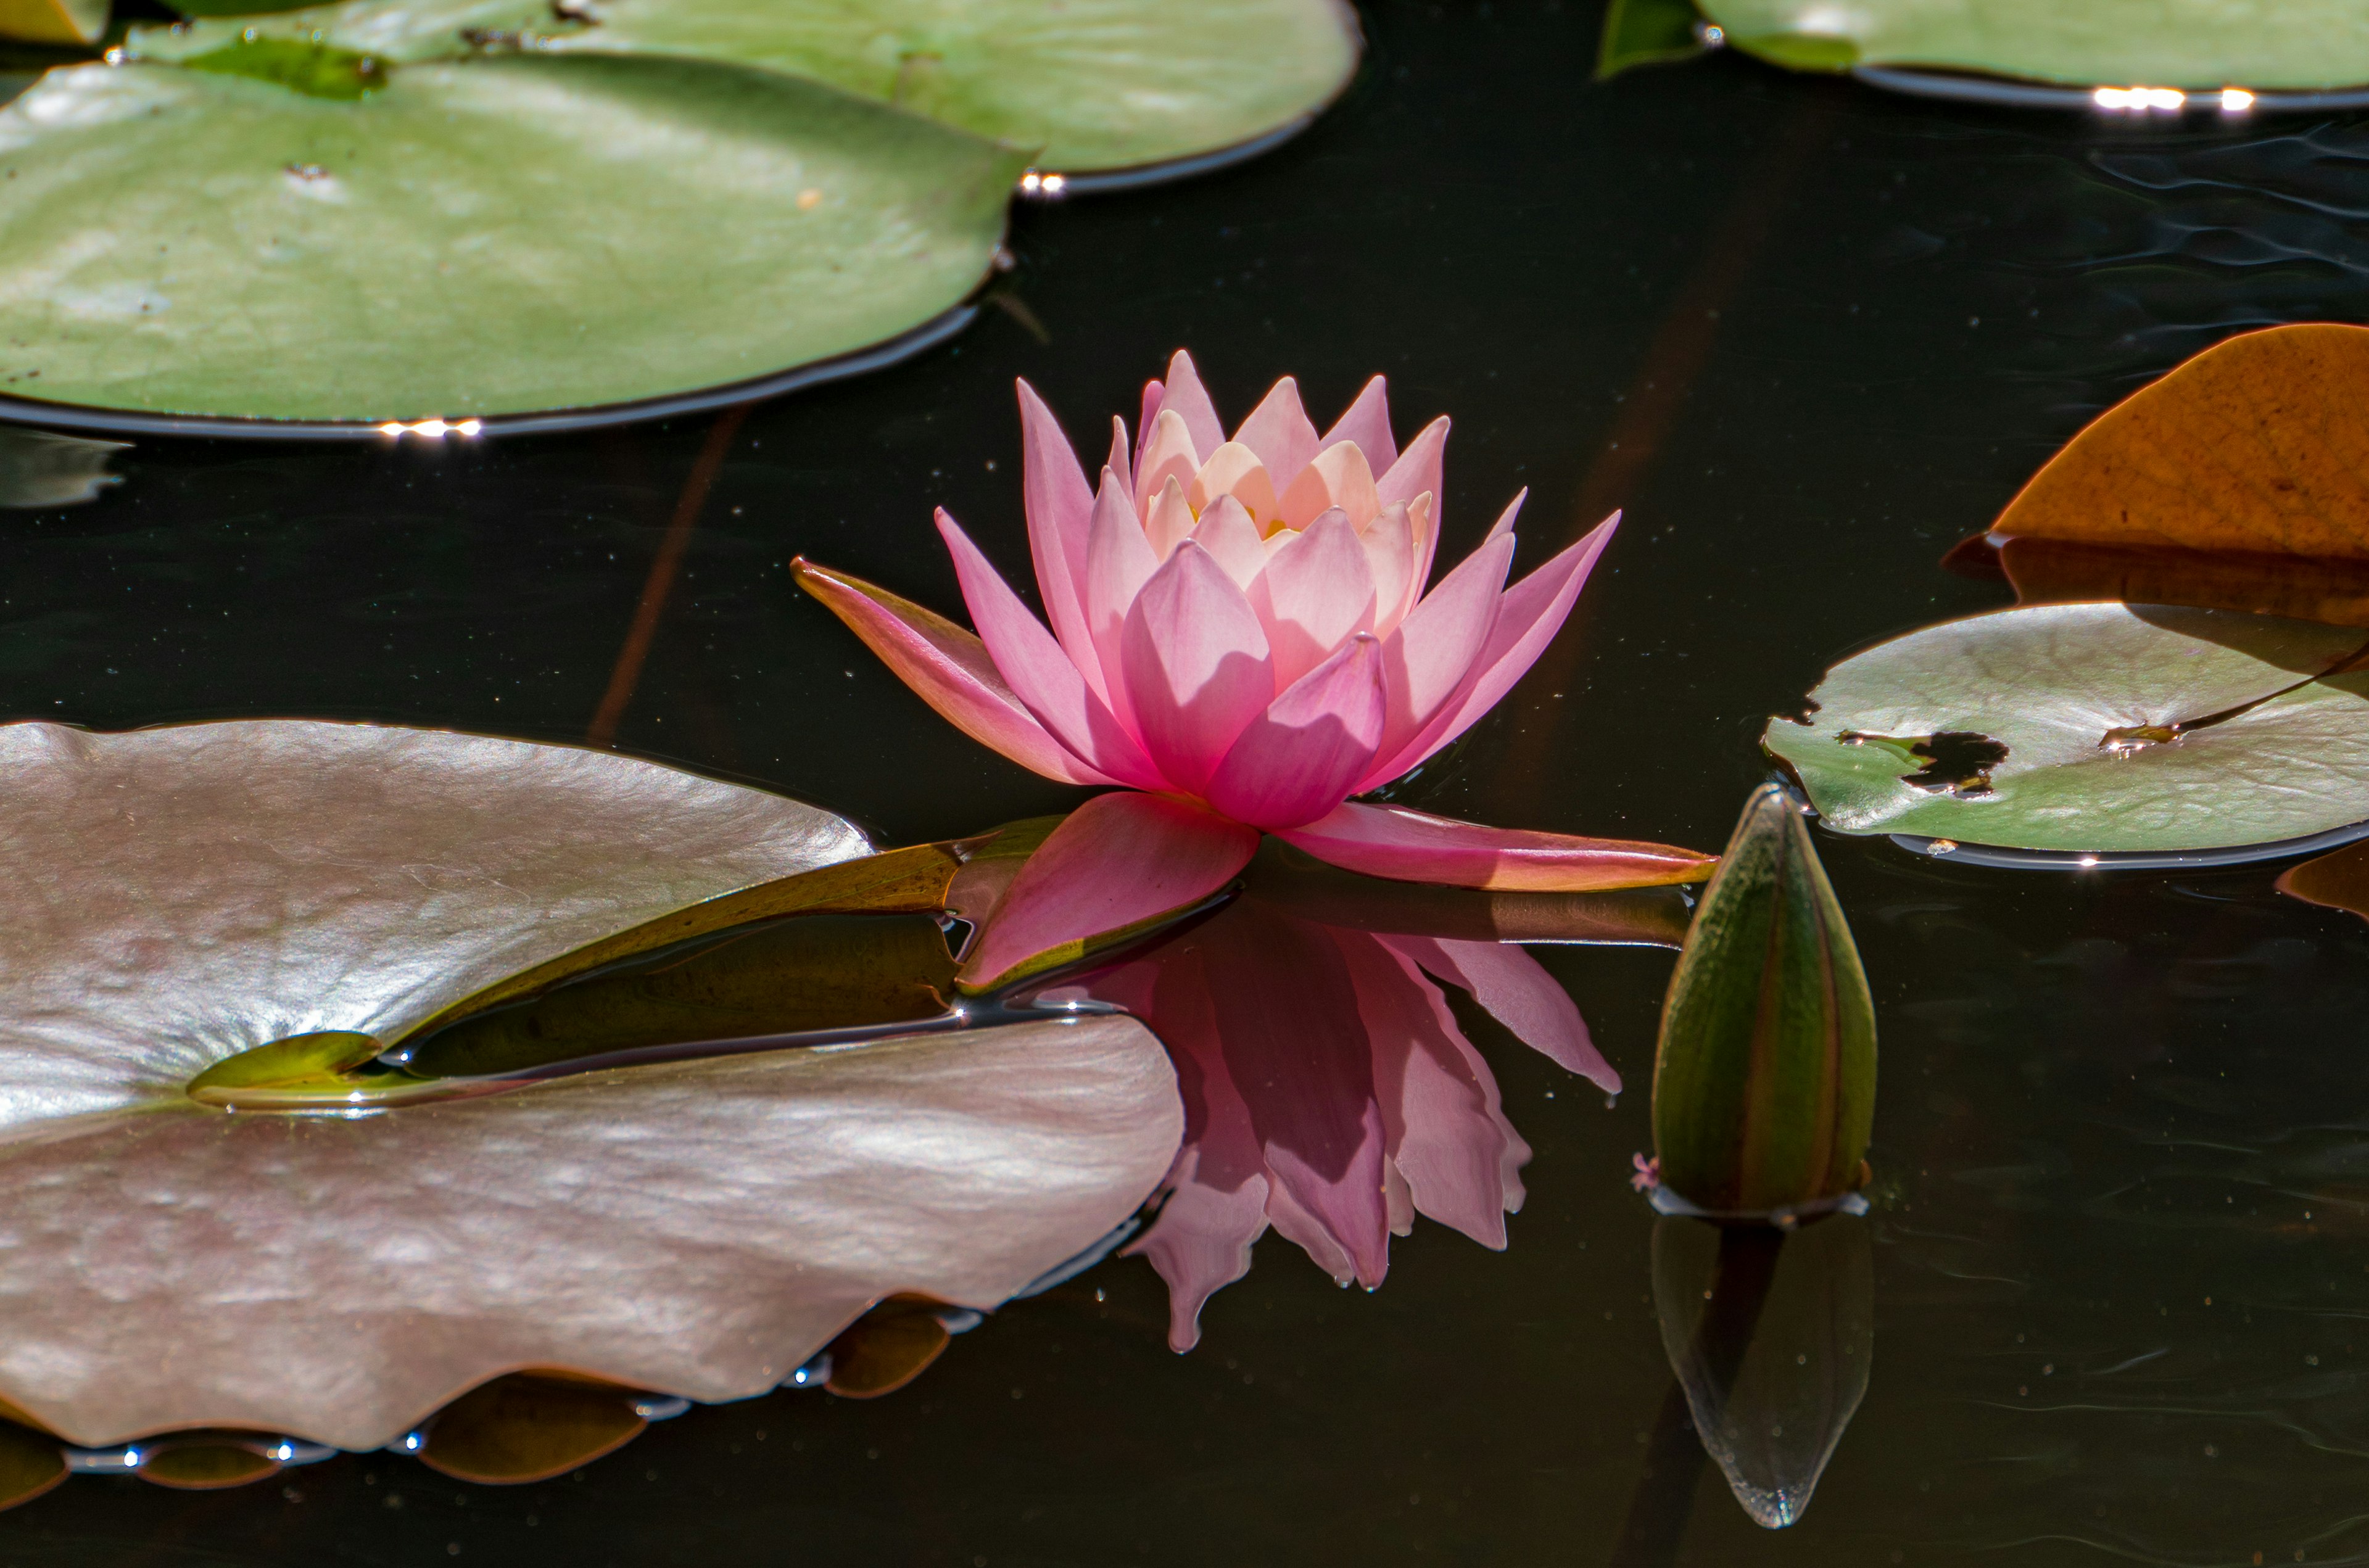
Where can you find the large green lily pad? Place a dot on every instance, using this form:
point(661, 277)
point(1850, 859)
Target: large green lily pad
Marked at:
point(493, 234)
point(2175, 43)
point(2083, 728)
point(177, 896)
point(1094, 85)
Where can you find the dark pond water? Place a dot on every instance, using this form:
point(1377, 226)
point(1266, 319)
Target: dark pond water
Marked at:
point(1809, 335)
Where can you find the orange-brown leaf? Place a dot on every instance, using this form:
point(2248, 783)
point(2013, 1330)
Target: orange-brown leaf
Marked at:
point(2260, 444)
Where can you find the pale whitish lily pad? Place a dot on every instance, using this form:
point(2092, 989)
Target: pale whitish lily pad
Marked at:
point(39, 470)
point(176, 896)
point(699, 1229)
point(2100, 711)
point(2174, 43)
point(1093, 83)
point(495, 234)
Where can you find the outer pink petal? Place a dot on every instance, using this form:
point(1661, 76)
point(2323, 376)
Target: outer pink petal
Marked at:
point(1505, 524)
point(1039, 672)
point(1519, 994)
point(1116, 862)
point(1053, 491)
point(1196, 665)
point(948, 668)
point(1367, 422)
point(1153, 394)
point(1116, 464)
point(1450, 1139)
point(1188, 398)
point(1430, 659)
point(1279, 432)
point(1296, 762)
point(1119, 561)
point(1417, 469)
point(1232, 540)
point(1414, 846)
point(1528, 616)
point(1316, 592)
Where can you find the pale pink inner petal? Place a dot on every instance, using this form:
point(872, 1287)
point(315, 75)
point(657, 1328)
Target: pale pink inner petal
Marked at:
point(1054, 495)
point(1196, 664)
point(1191, 402)
point(1425, 525)
point(1119, 561)
point(1367, 421)
point(1279, 432)
point(1296, 762)
point(1417, 469)
point(1153, 393)
point(1232, 540)
point(1338, 478)
point(1317, 590)
point(1116, 464)
point(1388, 542)
point(1168, 454)
point(1167, 520)
point(1235, 470)
point(1039, 672)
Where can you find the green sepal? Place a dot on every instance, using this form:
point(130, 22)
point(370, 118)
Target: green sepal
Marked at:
point(1764, 1082)
point(1647, 32)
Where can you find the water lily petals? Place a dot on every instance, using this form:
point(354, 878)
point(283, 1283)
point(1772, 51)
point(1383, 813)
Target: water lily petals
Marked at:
point(1235, 470)
point(1295, 761)
point(1280, 432)
point(1505, 524)
point(1119, 561)
point(1338, 477)
point(1039, 672)
point(947, 668)
point(1116, 862)
point(1519, 994)
point(1528, 616)
point(1198, 667)
point(696, 1228)
point(1232, 540)
point(1053, 493)
point(1169, 519)
point(1316, 591)
point(1432, 655)
point(1116, 465)
point(1389, 546)
point(1418, 469)
point(1185, 396)
point(1168, 454)
point(1367, 421)
point(1413, 846)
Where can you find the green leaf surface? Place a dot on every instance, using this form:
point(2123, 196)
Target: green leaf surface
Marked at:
point(1645, 32)
point(1094, 84)
point(315, 70)
point(495, 234)
point(1764, 1082)
point(2101, 711)
point(2176, 43)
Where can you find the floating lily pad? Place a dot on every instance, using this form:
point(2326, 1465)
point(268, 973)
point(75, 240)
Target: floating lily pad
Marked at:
point(177, 896)
point(1094, 85)
point(2091, 728)
point(495, 234)
point(2174, 43)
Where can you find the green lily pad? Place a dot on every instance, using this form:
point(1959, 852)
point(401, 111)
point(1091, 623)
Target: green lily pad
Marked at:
point(178, 897)
point(2192, 44)
point(489, 235)
point(2091, 728)
point(1095, 85)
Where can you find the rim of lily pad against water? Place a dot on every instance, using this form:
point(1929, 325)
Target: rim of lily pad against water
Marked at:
point(930, 335)
point(2000, 92)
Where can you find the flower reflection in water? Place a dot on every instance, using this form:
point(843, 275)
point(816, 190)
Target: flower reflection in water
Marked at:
point(1329, 1091)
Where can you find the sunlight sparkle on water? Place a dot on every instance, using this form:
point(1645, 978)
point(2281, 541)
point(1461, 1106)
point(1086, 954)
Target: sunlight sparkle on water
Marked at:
point(2140, 99)
point(433, 429)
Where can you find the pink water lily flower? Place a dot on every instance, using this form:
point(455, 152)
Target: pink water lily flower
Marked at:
point(1241, 637)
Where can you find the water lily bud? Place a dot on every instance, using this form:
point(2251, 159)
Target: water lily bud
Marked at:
point(1764, 1084)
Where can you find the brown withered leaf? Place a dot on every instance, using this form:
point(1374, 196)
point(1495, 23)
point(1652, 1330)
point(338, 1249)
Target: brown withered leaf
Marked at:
point(2259, 445)
point(2339, 880)
point(2050, 571)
